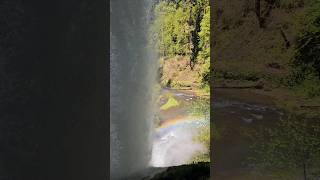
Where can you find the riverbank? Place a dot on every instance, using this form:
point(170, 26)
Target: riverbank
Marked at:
point(287, 99)
point(252, 128)
point(177, 73)
point(239, 114)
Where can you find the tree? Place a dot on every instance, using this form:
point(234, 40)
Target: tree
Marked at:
point(182, 28)
point(204, 35)
point(308, 49)
point(170, 29)
point(306, 64)
point(197, 11)
point(204, 46)
point(176, 27)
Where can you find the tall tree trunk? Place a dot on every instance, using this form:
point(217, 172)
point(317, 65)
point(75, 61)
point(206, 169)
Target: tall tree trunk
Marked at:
point(191, 46)
point(287, 42)
point(258, 12)
point(304, 170)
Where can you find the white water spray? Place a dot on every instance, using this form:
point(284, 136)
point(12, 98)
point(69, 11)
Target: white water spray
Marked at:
point(133, 72)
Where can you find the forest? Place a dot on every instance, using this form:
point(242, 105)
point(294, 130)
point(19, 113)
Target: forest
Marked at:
point(180, 35)
point(277, 39)
point(181, 32)
point(272, 48)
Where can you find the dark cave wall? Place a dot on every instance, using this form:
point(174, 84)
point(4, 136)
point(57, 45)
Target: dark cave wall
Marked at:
point(53, 120)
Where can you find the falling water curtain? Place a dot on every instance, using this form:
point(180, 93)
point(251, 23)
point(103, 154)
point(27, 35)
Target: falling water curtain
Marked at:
point(212, 58)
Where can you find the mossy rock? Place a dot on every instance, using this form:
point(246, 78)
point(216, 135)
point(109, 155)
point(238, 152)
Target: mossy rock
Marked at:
point(171, 102)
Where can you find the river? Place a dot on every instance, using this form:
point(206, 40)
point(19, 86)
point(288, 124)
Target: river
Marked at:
point(174, 142)
point(238, 114)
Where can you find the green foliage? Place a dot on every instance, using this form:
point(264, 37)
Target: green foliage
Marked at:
point(201, 107)
point(182, 28)
point(310, 86)
point(310, 20)
point(204, 35)
point(170, 29)
point(204, 138)
point(205, 73)
point(293, 145)
point(307, 59)
point(289, 4)
point(204, 46)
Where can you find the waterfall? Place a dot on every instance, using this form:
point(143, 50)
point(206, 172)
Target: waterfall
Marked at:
point(132, 75)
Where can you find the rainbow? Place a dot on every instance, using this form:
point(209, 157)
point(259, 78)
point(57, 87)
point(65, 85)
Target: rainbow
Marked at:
point(177, 120)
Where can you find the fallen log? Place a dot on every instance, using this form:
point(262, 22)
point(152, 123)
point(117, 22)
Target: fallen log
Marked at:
point(256, 86)
point(182, 88)
point(310, 106)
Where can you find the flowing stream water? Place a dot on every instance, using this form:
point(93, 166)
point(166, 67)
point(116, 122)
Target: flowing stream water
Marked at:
point(132, 75)
point(173, 142)
point(238, 114)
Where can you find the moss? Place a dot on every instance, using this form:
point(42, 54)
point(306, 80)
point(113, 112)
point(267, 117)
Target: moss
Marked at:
point(171, 102)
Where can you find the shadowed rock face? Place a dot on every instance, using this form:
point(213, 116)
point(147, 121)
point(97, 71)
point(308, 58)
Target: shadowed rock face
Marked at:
point(199, 171)
point(52, 91)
